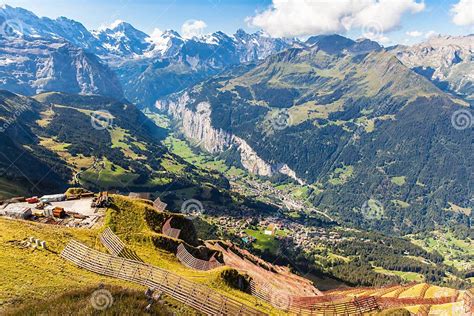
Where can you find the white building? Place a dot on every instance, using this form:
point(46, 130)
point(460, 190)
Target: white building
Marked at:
point(15, 211)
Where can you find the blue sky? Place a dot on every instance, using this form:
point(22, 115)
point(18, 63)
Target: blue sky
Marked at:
point(229, 15)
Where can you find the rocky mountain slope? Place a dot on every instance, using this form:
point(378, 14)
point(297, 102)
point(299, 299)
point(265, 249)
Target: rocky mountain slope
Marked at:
point(445, 60)
point(122, 39)
point(53, 141)
point(32, 65)
point(319, 112)
point(22, 163)
point(175, 63)
point(348, 121)
point(148, 67)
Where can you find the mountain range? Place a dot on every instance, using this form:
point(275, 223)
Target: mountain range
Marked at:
point(150, 67)
point(351, 120)
point(445, 60)
point(147, 67)
point(347, 117)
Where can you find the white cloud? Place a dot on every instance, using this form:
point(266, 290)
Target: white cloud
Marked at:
point(110, 26)
point(155, 36)
point(431, 34)
point(193, 28)
point(287, 18)
point(414, 33)
point(463, 13)
point(381, 39)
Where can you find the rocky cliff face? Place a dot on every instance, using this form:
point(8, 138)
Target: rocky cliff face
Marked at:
point(445, 60)
point(29, 66)
point(197, 126)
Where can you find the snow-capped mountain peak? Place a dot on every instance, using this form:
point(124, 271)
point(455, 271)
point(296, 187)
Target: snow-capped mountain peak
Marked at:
point(19, 22)
point(123, 47)
point(164, 43)
point(172, 33)
point(258, 45)
point(122, 39)
point(112, 26)
point(216, 38)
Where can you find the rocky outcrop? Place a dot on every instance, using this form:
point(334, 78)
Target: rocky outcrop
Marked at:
point(286, 170)
point(197, 127)
point(250, 160)
point(445, 60)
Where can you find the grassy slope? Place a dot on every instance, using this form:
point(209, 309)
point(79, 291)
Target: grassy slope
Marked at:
point(123, 302)
point(36, 274)
point(40, 274)
point(408, 276)
point(9, 189)
point(182, 149)
point(44, 277)
point(132, 227)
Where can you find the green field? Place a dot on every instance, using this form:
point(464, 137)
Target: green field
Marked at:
point(122, 139)
point(264, 242)
point(407, 276)
point(456, 252)
point(341, 175)
point(108, 175)
point(297, 191)
point(207, 162)
point(398, 180)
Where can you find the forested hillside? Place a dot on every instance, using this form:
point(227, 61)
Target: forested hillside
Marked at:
point(377, 140)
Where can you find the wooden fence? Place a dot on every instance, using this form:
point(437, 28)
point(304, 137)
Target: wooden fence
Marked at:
point(117, 247)
point(424, 310)
point(391, 302)
point(317, 305)
point(423, 291)
point(170, 231)
point(357, 306)
point(113, 244)
point(197, 296)
point(190, 261)
point(261, 291)
point(308, 301)
point(468, 300)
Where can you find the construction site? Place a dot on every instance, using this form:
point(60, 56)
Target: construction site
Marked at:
point(72, 209)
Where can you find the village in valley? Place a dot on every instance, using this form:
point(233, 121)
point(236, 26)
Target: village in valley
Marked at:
point(301, 236)
point(82, 208)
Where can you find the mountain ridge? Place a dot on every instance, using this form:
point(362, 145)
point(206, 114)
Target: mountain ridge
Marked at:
point(445, 60)
point(335, 133)
point(150, 67)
